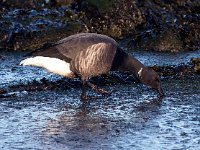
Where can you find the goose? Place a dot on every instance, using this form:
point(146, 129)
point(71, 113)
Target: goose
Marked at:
point(88, 55)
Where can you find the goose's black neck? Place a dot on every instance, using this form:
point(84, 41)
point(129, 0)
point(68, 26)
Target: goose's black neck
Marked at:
point(124, 62)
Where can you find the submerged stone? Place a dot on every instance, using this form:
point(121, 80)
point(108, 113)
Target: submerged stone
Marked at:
point(196, 63)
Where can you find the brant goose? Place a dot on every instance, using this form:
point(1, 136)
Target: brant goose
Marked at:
point(87, 55)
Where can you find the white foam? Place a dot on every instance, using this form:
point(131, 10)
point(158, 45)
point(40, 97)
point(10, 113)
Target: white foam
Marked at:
point(53, 65)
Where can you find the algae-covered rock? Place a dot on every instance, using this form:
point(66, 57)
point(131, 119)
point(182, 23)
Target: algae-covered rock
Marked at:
point(172, 25)
point(101, 5)
point(151, 24)
point(115, 18)
point(167, 40)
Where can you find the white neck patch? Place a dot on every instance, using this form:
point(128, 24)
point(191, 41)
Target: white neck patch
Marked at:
point(140, 73)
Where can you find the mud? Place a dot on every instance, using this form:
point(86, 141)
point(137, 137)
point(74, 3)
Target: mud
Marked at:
point(44, 110)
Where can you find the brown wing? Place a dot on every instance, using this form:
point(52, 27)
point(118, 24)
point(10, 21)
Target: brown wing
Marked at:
point(95, 60)
point(68, 48)
point(74, 44)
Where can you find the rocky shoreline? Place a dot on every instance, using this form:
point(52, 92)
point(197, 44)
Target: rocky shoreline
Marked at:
point(146, 25)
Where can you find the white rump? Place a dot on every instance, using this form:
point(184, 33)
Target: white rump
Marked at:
point(53, 65)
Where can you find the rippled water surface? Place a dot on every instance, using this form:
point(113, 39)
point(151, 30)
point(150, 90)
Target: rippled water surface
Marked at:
point(133, 117)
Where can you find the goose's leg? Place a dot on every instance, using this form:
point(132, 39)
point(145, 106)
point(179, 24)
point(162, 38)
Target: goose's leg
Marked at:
point(83, 94)
point(98, 90)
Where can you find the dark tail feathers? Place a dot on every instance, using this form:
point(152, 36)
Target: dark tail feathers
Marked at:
point(45, 46)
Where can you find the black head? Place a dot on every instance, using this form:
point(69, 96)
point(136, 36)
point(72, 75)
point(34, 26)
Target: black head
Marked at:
point(149, 77)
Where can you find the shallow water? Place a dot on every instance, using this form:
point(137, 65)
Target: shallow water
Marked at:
point(133, 117)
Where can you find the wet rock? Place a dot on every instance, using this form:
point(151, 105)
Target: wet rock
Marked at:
point(169, 26)
point(2, 91)
point(196, 63)
point(61, 2)
point(151, 24)
point(167, 40)
point(114, 18)
point(179, 71)
point(29, 29)
point(5, 4)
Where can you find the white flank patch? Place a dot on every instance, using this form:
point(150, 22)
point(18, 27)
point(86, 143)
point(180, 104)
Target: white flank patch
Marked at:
point(53, 65)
